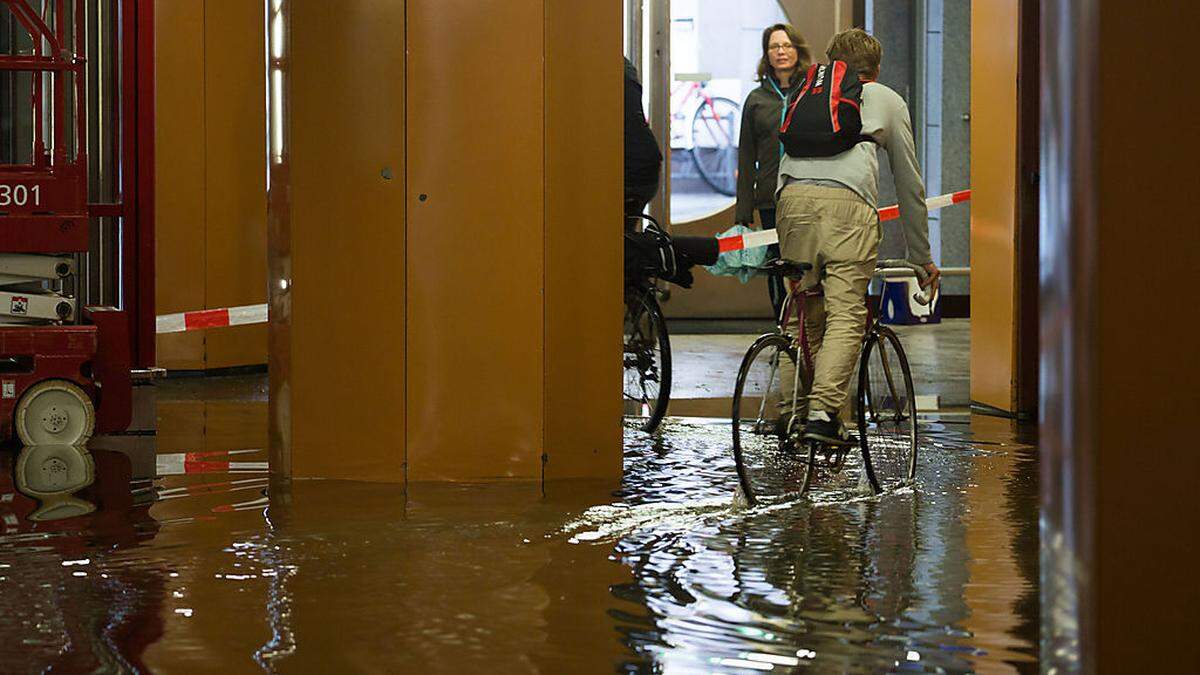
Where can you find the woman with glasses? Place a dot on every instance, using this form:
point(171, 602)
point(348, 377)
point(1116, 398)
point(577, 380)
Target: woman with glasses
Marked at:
point(785, 57)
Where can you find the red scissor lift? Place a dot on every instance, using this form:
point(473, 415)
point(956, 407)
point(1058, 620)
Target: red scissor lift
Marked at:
point(64, 374)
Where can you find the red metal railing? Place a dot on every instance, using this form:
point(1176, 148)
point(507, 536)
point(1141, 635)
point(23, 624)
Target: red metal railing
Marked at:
point(45, 201)
point(44, 206)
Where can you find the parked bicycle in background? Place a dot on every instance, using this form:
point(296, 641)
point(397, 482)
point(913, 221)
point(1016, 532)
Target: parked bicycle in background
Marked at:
point(706, 126)
point(651, 256)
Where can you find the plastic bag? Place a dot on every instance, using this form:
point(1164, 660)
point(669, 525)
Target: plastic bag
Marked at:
point(742, 264)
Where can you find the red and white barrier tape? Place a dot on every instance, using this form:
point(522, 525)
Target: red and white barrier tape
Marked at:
point(180, 463)
point(767, 237)
point(250, 314)
point(211, 318)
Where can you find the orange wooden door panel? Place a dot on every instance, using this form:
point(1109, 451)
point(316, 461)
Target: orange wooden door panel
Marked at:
point(235, 178)
point(179, 175)
point(584, 190)
point(994, 26)
point(475, 267)
point(347, 360)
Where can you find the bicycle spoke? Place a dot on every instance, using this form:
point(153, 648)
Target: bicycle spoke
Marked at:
point(646, 358)
point(890, 434)
point(769, 467)
point(770, 382)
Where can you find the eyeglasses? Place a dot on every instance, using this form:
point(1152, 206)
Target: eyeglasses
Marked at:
point(780, 46)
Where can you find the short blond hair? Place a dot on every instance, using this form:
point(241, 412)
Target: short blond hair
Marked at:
point(859, 49)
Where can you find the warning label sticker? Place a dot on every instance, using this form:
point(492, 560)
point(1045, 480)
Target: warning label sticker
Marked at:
point(8, 389)
point(19, 305)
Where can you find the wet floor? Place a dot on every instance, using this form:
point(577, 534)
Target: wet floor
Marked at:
point(150, 557)
point(705, 365)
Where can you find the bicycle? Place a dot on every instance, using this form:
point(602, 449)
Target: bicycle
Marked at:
point(647, 345)
point(713, 137)
point(770, 456)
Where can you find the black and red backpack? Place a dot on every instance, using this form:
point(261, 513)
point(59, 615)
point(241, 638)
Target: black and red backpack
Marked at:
point(824, 118)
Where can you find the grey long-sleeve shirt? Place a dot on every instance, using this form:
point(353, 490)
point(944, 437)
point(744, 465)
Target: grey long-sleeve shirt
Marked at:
point(885, 118)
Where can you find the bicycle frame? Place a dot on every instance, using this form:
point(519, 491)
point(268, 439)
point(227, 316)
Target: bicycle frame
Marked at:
point(891, 269)
point(800, 341)
point(792, 304)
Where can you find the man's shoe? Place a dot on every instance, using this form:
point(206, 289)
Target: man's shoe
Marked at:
point(826, 428)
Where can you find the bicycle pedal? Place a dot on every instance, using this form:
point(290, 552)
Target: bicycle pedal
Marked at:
point(834, 457)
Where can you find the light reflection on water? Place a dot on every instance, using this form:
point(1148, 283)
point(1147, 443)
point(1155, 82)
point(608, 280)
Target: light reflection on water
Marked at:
point(936, 578)
point(204, 572)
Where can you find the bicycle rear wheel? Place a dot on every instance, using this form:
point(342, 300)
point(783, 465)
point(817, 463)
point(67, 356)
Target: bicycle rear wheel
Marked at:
point(887, 412)
point(770, 466)
point(715, 130)
point(647, 359)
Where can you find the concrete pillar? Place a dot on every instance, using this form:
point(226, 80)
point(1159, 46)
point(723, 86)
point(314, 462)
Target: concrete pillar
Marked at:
point(446, 244)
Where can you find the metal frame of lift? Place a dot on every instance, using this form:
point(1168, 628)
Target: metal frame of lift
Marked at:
point(44, 224)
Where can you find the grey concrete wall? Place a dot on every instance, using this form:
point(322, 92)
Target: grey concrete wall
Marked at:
point(934, 76)
point(956, 137)
point(893, 23)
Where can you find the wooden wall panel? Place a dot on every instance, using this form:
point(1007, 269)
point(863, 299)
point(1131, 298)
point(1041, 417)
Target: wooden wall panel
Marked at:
point(179, 174)
point(994, 25)
point(347, 368)
point(476, 240)
point(347, 358)
point(235, 185)
point(584, 178)
point(210, 175)
point(1144, 376)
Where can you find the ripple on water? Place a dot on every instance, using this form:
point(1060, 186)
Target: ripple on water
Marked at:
point(836, 580)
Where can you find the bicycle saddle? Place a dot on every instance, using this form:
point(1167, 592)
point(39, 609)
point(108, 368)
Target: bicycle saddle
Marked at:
point(787, 268)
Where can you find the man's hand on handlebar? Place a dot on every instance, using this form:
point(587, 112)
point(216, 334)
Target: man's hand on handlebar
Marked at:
point(933, 279)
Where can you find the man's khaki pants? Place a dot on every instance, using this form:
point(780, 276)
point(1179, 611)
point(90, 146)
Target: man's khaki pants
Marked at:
point(838, 233)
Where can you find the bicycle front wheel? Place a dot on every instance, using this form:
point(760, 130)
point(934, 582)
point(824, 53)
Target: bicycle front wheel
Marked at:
point(887, 412)
point(647, 360)
point(715, 128)
point(768, 409)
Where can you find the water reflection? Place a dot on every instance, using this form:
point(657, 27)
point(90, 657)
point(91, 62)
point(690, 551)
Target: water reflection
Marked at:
point(210, 567)
point(923, 579)
point(51, 474)
point(66, 512)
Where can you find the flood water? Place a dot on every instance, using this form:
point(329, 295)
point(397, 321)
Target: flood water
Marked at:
point(209, 567)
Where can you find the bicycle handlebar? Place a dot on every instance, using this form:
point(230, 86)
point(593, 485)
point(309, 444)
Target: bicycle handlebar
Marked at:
point(894, 269)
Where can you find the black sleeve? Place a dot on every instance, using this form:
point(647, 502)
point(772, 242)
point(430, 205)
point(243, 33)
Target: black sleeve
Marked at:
point(642, 156)
point(747, 166)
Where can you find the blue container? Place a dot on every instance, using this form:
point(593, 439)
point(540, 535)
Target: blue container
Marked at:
point(900, 309)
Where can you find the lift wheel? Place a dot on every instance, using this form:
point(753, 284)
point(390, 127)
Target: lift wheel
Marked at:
point(55, 412)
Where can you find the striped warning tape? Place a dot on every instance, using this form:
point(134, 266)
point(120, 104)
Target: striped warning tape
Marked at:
point(179, 463)
point(250, 314)
point(767, 237)
point(211, 318)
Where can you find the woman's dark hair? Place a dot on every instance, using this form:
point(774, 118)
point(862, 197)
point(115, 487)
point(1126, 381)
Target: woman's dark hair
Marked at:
point(803, 53)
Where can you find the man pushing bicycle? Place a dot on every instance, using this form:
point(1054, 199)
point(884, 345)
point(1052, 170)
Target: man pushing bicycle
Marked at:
point(827, 196)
